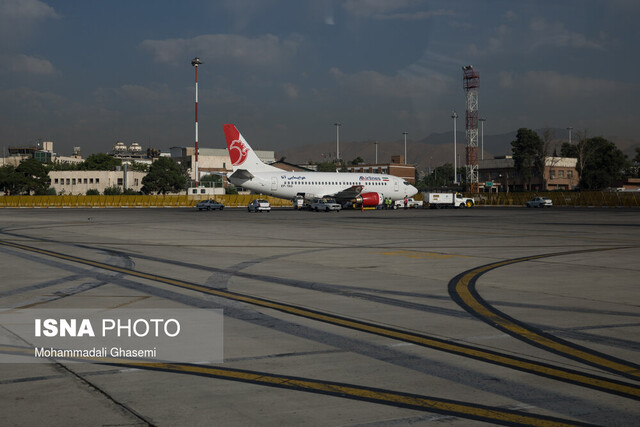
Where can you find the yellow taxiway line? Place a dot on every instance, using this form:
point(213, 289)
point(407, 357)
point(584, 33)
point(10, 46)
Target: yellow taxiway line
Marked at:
point(538, 368)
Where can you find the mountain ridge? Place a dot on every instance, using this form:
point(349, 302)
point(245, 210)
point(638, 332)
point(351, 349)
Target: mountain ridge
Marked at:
point(426, 153)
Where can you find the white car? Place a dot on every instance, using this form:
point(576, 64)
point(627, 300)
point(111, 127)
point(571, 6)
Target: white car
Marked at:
point(259, 205)
point(411, 203)
point(326, 205)
point(209, 205)
point(539, 202)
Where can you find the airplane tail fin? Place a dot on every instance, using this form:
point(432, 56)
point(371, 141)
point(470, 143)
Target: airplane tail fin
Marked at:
point(241, 154)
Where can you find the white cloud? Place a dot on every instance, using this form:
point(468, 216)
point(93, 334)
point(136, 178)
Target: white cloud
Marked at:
point(510, 16)
point(20, 18)
point(509, 38)
point(290, 90)
point(553, 86)
point(392, 9)
point(556, 35)
point(135, 94)
point(505, 80)
point(264, 51)
point(500, 41)
point(400, 86)
point(26, 64)
point(415, 16)
point(26, 10)
point(34, 102)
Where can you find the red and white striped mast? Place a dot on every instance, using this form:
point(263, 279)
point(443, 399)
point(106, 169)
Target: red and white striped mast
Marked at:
point(195, 62)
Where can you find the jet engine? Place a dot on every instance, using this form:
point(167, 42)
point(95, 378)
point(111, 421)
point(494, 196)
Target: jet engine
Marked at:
point(370, 199)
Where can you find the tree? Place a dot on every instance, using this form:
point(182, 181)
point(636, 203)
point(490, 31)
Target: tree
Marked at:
point(440, 176)
point(33, 177)
point(357, 161)
point(100, 162)
point(165, 176)
point(569, 150)
point(65, 166)
point(528, 154)
point(211, 180)
point(602, 165)
point(114, 190)
point(139, 166)
point(9, 181)
point(327, 167)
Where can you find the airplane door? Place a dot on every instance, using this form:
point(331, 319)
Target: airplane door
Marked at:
point(395, 185)
point(274, 183)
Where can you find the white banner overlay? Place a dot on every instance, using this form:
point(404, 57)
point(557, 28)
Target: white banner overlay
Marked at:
point(188, 335)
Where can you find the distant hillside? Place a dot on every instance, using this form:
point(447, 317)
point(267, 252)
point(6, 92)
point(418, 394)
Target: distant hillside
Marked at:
point(432, 151)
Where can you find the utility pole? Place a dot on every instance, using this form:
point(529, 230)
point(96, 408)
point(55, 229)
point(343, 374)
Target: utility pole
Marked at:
point(454, 116)
point(337, 125)
point(195, 62)
point(405, 146)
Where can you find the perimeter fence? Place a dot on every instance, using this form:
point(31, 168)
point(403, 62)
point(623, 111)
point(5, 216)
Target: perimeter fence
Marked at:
point(560, 198)
point(138, 201)
point(577, 199)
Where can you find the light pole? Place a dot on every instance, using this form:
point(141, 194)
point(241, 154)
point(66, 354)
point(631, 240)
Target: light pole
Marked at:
point(337, 125)
point(405, 147)
point(569, 129)
point(482, 137)
point(195, 62)
point(376, 144)
point(454, 116)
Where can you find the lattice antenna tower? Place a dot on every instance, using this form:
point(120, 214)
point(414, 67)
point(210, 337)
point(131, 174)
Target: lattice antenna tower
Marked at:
point(471, 83)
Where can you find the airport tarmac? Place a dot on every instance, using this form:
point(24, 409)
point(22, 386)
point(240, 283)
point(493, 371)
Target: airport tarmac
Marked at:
point(377, 318)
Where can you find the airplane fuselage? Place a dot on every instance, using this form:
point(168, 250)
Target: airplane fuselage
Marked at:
point(287, 185)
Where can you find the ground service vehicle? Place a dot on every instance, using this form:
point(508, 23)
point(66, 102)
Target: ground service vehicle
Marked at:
point(298, 202)
point(209, 205)
point(539, 202)
point(449, 200)
point(259, 205)
point(411, 203)
point(326, 204)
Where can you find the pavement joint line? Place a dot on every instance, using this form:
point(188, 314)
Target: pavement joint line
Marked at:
point(592, 381)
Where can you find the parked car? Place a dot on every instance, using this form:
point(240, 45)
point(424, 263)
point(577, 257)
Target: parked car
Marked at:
point(539, 202)
point(259, 205)
point(326, 204)
point(209, 205)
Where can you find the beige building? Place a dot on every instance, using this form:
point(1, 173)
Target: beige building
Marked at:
point(499, 174)
point(79, 182)
point(211, 159)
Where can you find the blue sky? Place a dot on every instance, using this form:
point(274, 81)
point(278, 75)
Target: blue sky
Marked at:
point(89, 73)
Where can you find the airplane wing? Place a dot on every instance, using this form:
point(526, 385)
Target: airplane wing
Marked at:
point(347, 194)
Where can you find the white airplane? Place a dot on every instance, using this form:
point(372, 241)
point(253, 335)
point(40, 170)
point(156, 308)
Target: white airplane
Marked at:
point(366, 189)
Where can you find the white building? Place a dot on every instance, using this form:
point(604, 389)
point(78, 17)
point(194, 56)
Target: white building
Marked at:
point(79, 182)
point(43, 152)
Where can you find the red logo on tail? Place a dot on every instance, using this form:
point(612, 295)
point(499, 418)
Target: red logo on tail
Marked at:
point(238, 150)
